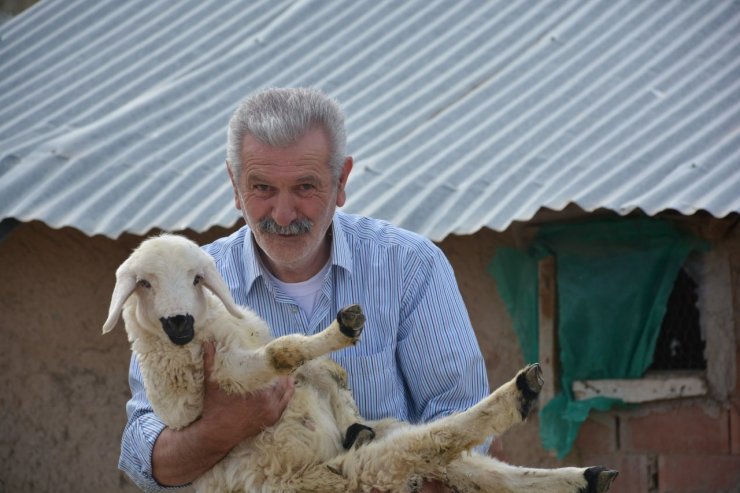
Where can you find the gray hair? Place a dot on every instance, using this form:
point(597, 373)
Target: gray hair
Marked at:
point(279, 117)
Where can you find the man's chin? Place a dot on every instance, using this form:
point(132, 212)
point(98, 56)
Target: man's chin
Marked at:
point(281, 247)
point(278, 239)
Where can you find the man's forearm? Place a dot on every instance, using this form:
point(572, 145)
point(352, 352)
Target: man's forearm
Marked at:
point(182, 456)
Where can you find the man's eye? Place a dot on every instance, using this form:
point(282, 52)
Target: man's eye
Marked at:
point(261, 188)
point(305, 187)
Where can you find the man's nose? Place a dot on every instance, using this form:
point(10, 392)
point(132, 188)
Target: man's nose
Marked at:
point(284, 209)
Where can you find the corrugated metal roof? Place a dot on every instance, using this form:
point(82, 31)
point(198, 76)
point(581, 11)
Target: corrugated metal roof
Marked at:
point(461, 115)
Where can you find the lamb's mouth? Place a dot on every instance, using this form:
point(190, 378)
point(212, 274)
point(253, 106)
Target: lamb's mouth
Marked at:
point(179, 328)
point(181, 340)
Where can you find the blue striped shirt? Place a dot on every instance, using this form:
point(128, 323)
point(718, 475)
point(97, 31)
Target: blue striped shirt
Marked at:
point(418, 358)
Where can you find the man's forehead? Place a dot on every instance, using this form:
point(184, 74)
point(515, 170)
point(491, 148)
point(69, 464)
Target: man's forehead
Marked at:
point(264, 174)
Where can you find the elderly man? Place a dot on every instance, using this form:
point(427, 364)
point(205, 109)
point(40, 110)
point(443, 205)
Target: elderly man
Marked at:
point(296, 262)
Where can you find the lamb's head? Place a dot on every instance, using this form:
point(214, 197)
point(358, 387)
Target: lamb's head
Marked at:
point(166, 276)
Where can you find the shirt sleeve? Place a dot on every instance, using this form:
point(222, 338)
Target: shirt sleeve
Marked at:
point(141, 431)
point(438, 353)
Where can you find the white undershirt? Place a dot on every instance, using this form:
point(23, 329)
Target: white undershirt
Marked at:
point(304, 293)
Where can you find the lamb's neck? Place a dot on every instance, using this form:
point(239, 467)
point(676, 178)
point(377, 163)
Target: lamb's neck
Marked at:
point(173, 379)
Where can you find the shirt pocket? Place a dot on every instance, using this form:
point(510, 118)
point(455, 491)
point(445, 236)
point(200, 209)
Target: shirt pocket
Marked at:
point(375, 382)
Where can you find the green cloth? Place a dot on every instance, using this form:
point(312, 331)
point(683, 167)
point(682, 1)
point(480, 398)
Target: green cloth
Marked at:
point(614, 278)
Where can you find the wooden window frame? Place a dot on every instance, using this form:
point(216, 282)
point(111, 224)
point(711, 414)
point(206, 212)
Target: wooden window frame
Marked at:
point(716, 318)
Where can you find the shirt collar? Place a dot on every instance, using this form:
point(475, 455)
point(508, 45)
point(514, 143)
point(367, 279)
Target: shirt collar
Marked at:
point(252, 267)
point(341, 255)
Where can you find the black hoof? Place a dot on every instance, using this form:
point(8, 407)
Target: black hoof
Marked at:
point(599, 479)
point(357, 435)
point(529, 382)
point(351, 321)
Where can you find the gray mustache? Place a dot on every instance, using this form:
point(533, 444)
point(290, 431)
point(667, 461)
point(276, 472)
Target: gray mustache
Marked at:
point(297, 227)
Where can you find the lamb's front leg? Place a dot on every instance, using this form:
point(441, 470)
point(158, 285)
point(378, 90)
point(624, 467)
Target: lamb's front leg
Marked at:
point(243, 371)
point(287, 353)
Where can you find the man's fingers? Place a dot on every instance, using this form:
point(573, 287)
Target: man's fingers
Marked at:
point(269, 402)
point(209, 350)
point(287, 389)
point(280, 391)
point(280, 394)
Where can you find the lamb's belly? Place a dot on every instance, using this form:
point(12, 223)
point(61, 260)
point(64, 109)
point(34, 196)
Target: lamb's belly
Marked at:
point(308, 427)
point(306, 435)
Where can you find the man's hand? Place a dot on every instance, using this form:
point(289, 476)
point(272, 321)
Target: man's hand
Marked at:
point(233, 418)
point(181, 456)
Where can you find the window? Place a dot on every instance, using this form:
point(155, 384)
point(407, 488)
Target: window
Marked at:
point(695, 346)
point(680, 343)
point(590, 299)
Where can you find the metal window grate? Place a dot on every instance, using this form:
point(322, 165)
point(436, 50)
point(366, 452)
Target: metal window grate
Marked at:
point(680, 345)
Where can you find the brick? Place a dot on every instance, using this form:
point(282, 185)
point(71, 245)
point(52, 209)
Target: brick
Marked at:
point(598, 434)
point(678, 430)
point(698, 473)
point(636, 471)
point(735, 426)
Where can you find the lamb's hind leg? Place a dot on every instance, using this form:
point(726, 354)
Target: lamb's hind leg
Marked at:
point(508, 405)
point(425, 450)
point(476, 473)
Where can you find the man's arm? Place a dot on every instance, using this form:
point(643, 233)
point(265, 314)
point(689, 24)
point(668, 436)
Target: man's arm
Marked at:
point(155, 456)
point(437, 351)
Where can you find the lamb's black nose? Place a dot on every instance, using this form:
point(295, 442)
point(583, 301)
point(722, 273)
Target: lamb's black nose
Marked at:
point(179, 328)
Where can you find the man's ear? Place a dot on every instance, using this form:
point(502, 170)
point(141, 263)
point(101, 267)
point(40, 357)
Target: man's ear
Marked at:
point(342, 184)
point(234, 187)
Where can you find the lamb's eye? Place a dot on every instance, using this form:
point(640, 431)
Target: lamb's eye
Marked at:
point(197, 279)
point(143, 283)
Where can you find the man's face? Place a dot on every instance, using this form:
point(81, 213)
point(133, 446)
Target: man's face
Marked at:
point(288, 197)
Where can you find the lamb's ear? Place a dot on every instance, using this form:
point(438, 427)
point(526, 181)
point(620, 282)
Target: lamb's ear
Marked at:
point(125, 285)
point(212, 280)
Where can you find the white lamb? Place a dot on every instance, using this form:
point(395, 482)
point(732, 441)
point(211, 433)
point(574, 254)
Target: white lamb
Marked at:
point(321, 443)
